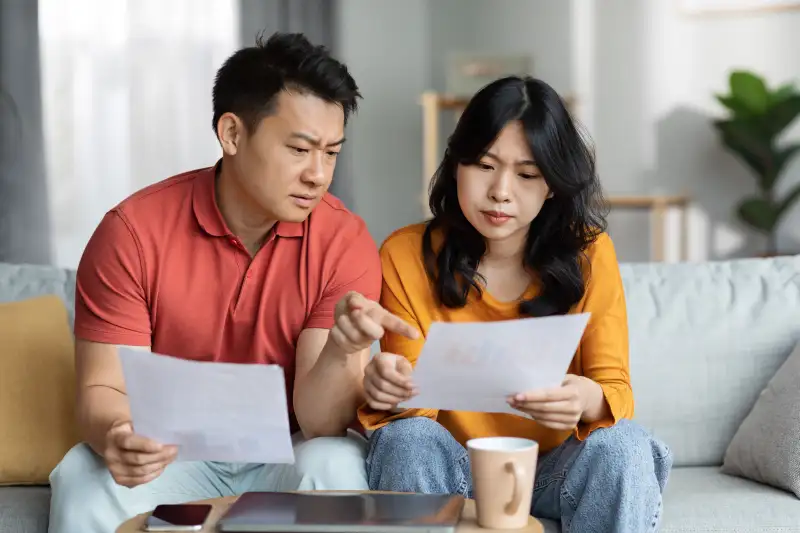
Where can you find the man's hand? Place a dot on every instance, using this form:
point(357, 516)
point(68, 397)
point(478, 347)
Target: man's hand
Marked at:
point(134, 460)
point(563, 407)
point(387, 381)
point(358, 322)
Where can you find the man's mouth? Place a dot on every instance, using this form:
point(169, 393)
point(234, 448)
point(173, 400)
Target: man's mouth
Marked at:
point(303, 200)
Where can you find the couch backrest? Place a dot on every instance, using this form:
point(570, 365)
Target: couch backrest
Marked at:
point(18, 282)
point(705, 339)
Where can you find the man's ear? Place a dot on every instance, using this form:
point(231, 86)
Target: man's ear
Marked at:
point(230, 131)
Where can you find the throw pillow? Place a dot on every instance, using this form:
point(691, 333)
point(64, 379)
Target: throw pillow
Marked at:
point(766, 447)
point(37, 389)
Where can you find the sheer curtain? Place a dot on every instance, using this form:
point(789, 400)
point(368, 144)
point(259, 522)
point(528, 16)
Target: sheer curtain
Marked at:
point(126, 93)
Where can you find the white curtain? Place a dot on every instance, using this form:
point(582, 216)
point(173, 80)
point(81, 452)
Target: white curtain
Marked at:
point(126, 93)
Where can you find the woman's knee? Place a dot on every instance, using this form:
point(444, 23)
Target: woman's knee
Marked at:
point(334, 463)
point(411, 437)
point(417, 455)
point(626, 448)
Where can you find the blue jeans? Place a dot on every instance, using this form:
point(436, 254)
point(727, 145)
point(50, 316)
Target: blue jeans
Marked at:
point(611, 482)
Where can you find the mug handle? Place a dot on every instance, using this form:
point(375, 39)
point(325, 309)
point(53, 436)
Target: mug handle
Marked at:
point(516, 497)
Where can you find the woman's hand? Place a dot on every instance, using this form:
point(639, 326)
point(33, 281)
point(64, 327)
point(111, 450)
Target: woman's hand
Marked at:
point(561, 408)
point(387, 381)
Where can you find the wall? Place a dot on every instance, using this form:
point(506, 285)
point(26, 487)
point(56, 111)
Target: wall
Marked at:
point(385, 44)
point(397, 50)
point(655, 70)
point(643, 74)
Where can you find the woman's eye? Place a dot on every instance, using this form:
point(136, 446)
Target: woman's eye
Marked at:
point(529, 176)
point(484, 166)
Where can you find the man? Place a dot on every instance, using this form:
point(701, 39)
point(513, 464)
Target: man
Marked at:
point(250, 261)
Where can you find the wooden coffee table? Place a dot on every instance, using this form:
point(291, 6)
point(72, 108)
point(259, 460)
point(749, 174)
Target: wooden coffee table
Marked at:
point(468, 524)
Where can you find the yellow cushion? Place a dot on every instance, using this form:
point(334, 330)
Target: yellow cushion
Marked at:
point(37, 389)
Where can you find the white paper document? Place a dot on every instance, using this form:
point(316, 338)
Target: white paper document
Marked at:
point(211, 411)
point(476, 366)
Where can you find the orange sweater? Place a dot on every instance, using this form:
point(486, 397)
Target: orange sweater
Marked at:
point(602, 354)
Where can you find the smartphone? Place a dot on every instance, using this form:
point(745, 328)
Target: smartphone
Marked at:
point(178, 517)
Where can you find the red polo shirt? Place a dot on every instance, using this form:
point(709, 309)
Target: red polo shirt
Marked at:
point(163, 270)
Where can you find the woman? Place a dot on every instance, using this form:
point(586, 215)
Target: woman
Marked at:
point(517, 231)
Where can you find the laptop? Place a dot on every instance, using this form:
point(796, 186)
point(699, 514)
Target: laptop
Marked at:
point(343, 512)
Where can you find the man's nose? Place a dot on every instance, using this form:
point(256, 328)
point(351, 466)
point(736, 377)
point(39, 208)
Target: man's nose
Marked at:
point(315, 172)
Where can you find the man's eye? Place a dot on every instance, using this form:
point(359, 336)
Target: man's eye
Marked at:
point(333, 154)
point(297, 150)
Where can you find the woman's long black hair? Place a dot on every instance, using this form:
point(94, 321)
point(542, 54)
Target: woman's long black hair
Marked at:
point(568, 222)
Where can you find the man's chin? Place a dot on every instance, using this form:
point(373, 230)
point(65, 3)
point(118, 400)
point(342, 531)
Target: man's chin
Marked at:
point(296, 214)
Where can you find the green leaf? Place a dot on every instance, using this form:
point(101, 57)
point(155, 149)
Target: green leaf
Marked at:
point(750, 90)
point(786, 203)
point(783, 92)
point(736, 106)
point(782, 114)
point(759, 213)
point(743, 139)
point(779, 161)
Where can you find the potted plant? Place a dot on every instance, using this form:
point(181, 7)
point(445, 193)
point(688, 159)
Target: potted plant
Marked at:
point(757, 116)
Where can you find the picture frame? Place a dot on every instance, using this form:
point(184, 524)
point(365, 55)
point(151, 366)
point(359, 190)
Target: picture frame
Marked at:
point(466, 72)
point(711, 7)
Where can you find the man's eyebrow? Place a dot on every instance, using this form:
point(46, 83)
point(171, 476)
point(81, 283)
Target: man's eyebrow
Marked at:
point(313, 140)
point(490, 155)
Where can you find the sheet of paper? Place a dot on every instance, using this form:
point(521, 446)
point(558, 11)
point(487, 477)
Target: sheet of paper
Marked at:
point(211, 411)
point(476, 366)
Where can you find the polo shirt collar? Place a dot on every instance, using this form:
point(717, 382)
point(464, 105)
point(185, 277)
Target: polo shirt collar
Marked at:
point(209, 217)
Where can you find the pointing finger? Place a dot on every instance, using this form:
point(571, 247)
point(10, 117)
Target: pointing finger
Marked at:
point(397, 325)
point(355, 301)
point(367, 326)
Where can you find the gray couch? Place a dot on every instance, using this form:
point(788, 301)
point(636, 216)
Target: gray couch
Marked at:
point(705, 339)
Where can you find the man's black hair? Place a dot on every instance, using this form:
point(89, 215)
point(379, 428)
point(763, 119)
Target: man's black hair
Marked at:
point(249, 81)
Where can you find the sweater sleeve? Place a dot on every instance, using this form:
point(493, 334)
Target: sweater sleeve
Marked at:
point(395, 298)
point(604, 347)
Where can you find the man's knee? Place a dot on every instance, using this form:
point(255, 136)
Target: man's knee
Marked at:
point(334, 463)
point(78, 465)
point(80, 477)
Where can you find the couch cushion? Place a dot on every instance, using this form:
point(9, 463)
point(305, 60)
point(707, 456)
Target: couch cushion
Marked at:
point(24, 509)
point(702, 499)
point(18, 282)
point(37, 389)
point(766, 448)
point(705, 338)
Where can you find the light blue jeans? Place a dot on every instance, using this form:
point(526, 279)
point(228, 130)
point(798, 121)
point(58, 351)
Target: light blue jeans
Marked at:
point(611, 482)
point(86, 498)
